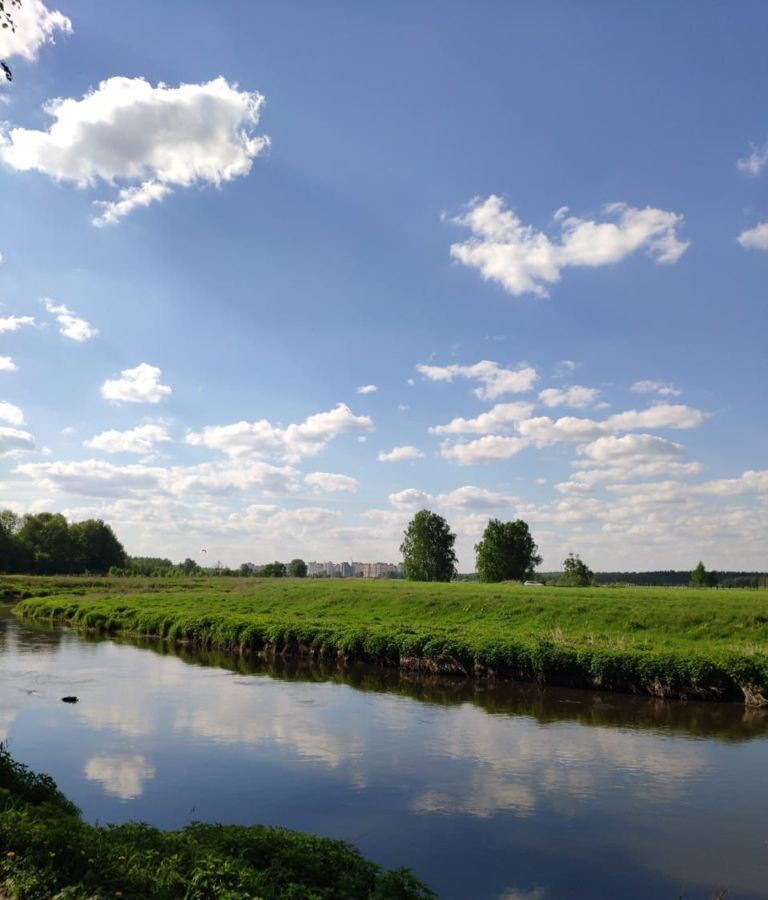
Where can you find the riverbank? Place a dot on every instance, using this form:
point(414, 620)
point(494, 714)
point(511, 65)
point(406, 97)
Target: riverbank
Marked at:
point(664, 642)
point(46, 850)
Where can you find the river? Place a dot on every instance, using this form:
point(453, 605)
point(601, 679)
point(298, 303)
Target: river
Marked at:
point(488, 792)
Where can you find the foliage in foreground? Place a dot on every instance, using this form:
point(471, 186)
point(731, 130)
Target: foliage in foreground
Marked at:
point(661, 641)
point(46, 851)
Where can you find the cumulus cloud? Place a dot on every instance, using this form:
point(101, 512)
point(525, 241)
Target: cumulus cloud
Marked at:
point(71, 326)
point(145, 139)
point(471, 498)
point(7, 364)
point(498, 418)
point(663, 389)
point(749, 482)
point(262, 438)
point(138, 385)
point(491, 448)
point(330, 483)
point(495, 380)
point(36, 25)
point(95, 478)
point(576, 396)
point(755, 238)
point(756, 161)
point(11, 413)
point(400, 454)
point(543, 430)
point(524, 260)
point(367, 389)
point(14, 323)
point(410, 498)
point(629, 449)
point(13, 441)
point(141, 439)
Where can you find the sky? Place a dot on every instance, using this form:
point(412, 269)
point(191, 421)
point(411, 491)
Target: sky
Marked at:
point(275, 276)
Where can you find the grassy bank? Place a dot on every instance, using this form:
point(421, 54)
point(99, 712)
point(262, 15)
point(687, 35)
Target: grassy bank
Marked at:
point(46, 851)
point(659, 641)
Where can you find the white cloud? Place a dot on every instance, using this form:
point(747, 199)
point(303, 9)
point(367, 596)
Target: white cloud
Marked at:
point(400, 454)
point(490, 448)
point(495, 380)
point(13, 323)
point(524, 260)
point(145, 139)
point(410, 498)
point(663, 389)
point(11, 413)
point(12, 440)
point(367, 389)
point(756, 161)
point(138, 385)
point(330, 483)
point(629, 449)
point(542, 430)
point(7, 364)
point(262, 438)
point(141, 439)
point(72, 326)
point(474, 498)
point(576, 396)
point(95, 478)
point(750, 482)
point(35, 25)
point(755, 238)
point(498, 418)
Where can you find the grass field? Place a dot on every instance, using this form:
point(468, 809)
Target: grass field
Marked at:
point(710, 644)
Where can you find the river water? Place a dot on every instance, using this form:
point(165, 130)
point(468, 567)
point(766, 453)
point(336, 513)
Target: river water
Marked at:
point(503, 792)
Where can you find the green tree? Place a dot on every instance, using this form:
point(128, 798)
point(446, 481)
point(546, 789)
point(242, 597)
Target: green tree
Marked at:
point(189, 567)
point(701, 578)
point(297, 568)
point(95, 547)
point(12, 553)
point(427, 548)
point(48, 543)
point(273, 570)
point(507, 552)
point(576, 573)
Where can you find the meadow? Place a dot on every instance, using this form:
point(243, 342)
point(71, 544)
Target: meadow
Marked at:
point(666, 642)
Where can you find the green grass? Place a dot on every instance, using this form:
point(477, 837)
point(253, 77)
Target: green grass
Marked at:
point(661, 641)
point(46, 851)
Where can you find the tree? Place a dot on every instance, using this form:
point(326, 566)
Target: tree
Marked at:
point(273, 570)
point(95, 548)
point(48, 543)
point(575, 572)
point(190, 567)
point(7, 23)
point(701, 578)
point(297, 568)
point(507, 552)
point(427, 548)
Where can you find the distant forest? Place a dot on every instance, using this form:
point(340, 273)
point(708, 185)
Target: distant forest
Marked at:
point(670, 578)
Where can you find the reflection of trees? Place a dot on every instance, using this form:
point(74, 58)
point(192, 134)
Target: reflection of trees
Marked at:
point(721, 721)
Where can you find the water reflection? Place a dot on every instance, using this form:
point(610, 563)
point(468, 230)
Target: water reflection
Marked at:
point(485, 790)
point(121, 776)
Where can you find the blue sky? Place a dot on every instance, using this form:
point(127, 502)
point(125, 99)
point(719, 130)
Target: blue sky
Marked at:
point(475, 208)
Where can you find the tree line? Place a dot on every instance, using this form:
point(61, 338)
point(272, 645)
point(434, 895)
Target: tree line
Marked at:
point(46, 544)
